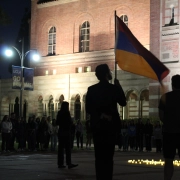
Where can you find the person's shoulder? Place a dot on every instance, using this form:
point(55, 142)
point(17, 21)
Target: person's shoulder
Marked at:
point(168, 95)
point(93, 86)
point(175, 92)
point(163, 97)
point(59, 112)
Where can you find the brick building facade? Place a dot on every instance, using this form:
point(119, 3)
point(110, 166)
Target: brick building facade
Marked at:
point(74, 36)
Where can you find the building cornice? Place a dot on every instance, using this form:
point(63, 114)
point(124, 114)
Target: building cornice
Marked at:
point(76, 58)
point(49, 3)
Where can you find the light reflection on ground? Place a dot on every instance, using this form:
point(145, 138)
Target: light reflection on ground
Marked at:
point(151, 162)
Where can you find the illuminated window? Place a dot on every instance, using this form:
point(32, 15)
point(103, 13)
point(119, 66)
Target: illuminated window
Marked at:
point(87, 69)
point(79, 70)
point(54, 71)
point(52, 41)
point(124, 18)
point(47, 72)
point(84, 37)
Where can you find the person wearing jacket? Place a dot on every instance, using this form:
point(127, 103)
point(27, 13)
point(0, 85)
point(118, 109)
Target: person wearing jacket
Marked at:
point(6, 127)
point(101, 104)
point(64, 136)
point(132, 135)
point(148, 130)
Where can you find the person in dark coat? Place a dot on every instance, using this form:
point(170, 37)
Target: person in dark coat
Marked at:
point(37, 132)
point(64, 121)
point(132, 134)
point(170, 116)
point(148, 130)
point(21, 133)
point(139, 135)
point(88, 134)
point(157, 132)
point(101, 105)
point(73, 130)
point(13, 120)
point(79, 134)
point(31, 130)
point(42, 132)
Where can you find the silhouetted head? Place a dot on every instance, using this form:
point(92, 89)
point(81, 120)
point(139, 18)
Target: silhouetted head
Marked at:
point(65, 106)
point(175, 81)
point(5, 118)
point(103, 72)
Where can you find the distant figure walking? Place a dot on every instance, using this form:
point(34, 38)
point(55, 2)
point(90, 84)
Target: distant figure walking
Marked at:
point(64, 136)
point(170, 116)
point(101, 105)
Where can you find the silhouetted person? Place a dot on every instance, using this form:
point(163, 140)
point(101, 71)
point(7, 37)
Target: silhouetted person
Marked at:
point(139, 135)
point(64, 136)
point(73, 130)
point(101, 105)
point(170, 116)
point(48, 136)
point(79, 134)
point(158, 136)
point(148, 130)
point(6, 127)
point(20, 133)
point(13, 120)
point(31, 130)
point(42, 132)
point(88, 134)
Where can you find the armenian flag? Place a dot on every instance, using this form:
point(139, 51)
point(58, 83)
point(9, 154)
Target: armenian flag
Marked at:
point(133, 57)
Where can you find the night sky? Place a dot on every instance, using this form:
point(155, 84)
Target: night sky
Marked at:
point(15, 9)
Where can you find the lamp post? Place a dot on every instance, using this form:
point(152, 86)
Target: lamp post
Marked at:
point(22, 56)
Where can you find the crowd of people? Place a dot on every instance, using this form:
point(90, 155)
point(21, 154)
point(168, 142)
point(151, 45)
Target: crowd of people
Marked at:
point(38, 134)
point(42, 134)
point(139, 136)
point(35, 134)
point(104, 127)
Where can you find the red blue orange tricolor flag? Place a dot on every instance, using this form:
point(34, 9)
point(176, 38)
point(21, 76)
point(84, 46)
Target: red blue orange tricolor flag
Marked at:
point(133, 57)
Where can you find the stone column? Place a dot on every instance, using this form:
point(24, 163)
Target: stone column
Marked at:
point(45, 108)
point(82, 110)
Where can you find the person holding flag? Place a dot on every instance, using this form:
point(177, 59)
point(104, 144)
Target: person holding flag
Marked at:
point(101, 105)
point(133, 57)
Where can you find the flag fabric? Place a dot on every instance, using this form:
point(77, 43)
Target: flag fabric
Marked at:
point(133, 57)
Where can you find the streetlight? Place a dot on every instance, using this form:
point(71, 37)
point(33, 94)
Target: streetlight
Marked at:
point(22, 56)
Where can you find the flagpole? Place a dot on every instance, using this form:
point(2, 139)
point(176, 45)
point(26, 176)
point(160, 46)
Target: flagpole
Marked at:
point(115, 67)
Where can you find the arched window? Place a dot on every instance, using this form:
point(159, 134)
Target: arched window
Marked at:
point(52, 41)
point(124, 18)
point(84, 37)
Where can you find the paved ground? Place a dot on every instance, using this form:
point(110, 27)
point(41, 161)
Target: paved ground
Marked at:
point(43, 166)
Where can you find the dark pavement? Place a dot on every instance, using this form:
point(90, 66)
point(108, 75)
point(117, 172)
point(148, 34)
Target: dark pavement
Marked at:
point(43, 166)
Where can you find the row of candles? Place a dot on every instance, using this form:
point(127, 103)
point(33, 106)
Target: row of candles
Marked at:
point(152, 162)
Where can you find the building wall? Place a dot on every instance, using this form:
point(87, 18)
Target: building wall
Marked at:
point(68, 85)
point(68, 82)
point(164, 43)
point(68, 17)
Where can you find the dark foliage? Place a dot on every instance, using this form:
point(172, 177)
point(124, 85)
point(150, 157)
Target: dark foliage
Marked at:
point(23, 37)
